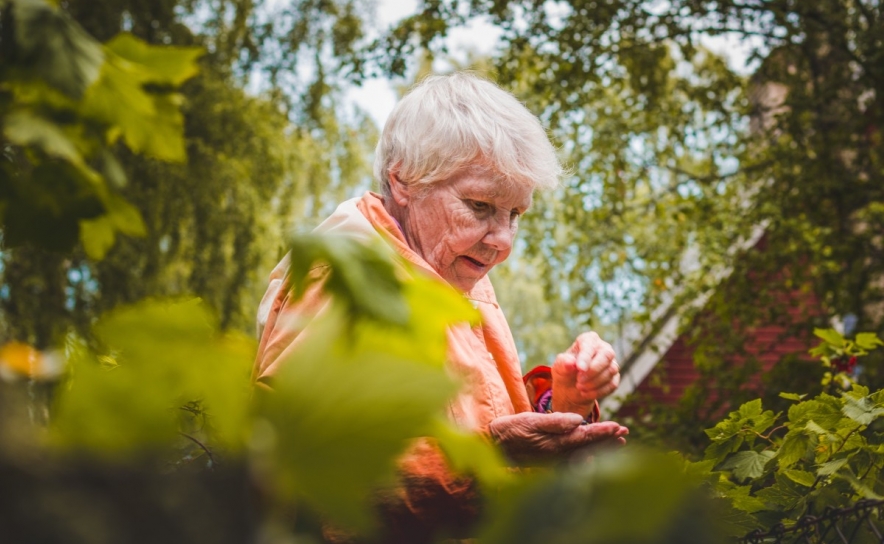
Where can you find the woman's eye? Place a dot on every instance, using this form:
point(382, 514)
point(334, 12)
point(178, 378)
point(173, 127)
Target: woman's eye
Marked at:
point(478, 205)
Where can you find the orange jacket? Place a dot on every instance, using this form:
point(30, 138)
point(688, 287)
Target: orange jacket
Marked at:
point(484, 357)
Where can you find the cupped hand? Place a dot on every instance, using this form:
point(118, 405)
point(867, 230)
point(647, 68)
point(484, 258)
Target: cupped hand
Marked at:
point(533, 437)
point(584, 374)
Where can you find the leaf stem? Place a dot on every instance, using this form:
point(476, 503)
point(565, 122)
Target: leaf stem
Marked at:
point(202, 446)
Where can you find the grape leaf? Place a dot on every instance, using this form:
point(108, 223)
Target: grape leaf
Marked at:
point(831, 467)
point(862, 410)
point(747, 464)
point(831, 336)
point(793, 448)
point(801, 477)
point(785, 494)
point(868, 340)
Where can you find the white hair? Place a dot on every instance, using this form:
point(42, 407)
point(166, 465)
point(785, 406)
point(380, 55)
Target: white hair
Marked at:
point(449, 124)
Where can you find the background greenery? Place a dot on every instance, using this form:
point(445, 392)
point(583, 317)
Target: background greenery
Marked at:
point(165, 149)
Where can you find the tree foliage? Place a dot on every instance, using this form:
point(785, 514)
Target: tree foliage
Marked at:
point(678, 158)
point(212, 225)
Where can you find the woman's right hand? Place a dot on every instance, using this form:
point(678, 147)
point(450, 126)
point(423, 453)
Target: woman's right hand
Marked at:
point(532, 437)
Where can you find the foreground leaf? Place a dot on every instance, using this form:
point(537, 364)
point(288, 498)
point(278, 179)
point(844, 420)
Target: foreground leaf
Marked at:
point(161, 356)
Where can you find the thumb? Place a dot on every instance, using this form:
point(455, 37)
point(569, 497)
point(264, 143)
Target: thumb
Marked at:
point(558, 422)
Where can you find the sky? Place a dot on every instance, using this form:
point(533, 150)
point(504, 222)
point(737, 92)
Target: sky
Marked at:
point(377, 97)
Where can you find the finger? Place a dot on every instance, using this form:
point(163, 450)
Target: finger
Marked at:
point(602, 390)
point(592, 433)
point(610, 373)
point(565, 365)
point(602, 360)
point(586, 347)
point(556, 422)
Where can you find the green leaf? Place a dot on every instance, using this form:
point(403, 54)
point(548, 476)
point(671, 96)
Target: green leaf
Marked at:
point(862, 411)
point(362, 275)
point(625, 496)
point(815, 427)
point(742, 500)
point(358, 410)
point(868, 340)
point(150, 122)
point(730, 521)
point(763, 421)
point(861, 488)
point(472, 454)
point(166, 65)
point(55, 48)
point(784, 495)
point(794, 448)
point(824, 409)
point(792, 396)
point(831, 467)
point(164, 355)
point(800, 477)
point(747, 464)
point(750, 409)
point(434, 307)
point(831, 336)
point(98, 235)
point(26, 129)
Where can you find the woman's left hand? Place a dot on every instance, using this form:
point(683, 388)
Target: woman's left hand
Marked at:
point(584, 373)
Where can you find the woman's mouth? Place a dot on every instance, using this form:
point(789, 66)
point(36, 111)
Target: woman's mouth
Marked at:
point(474, 262)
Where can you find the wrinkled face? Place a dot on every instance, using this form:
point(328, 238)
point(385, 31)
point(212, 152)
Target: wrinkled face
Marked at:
point(463, 226)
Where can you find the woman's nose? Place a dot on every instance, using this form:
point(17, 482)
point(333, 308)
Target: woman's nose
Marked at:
point(500, 234)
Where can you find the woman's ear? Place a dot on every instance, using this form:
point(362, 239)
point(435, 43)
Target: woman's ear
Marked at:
point(398, 190)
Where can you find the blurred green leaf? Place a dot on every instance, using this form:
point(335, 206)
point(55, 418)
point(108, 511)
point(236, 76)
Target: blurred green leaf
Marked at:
point(119, 100)
point(55, 48)
point(868, 340)
point(620, 496)
point(343, 414)
point(23, 128)
point(166, 65)
point(164, 355)
point(362, 275)
point(831, 336)
point(472, 454)
point(433, 306)
point(98, 235)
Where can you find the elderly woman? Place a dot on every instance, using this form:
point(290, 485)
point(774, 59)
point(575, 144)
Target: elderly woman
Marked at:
point(458, 162)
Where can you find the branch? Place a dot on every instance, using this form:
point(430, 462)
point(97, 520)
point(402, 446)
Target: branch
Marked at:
point(723, 177)
point(202, 446)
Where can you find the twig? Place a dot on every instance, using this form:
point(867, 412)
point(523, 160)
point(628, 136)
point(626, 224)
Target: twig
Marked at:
point(203, 446)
